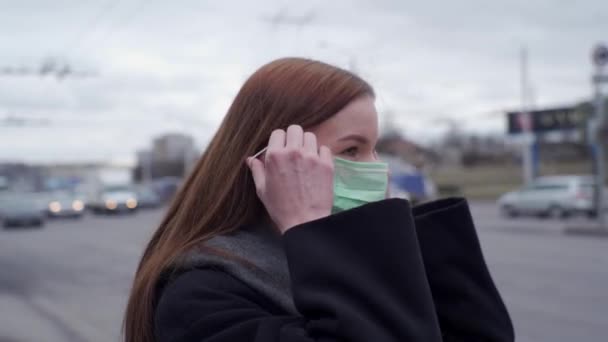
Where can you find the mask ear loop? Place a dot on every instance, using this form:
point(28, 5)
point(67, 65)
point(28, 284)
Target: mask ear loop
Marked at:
point(260, 152)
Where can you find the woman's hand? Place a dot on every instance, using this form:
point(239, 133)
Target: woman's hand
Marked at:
point(295, 181)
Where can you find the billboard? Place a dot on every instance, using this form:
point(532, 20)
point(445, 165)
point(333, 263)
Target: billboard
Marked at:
point(546, 120)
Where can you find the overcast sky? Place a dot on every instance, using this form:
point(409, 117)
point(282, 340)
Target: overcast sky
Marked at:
point(164, 66)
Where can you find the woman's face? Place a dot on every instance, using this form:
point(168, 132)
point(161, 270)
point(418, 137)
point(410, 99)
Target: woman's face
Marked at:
point(353, 132)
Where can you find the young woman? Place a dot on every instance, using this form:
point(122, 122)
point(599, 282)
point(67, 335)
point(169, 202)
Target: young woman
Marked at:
point(298, 243)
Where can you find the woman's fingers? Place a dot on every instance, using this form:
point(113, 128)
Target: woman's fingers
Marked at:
point(295, 182)
point(310, 143)
point(277, 140)
point(295, 137)
point(325, 155)
point(257, 170)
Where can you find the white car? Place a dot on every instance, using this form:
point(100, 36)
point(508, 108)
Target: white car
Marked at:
point(551, 196)
point(64, 205)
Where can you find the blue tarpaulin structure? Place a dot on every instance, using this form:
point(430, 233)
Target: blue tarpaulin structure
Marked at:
point(412, 183)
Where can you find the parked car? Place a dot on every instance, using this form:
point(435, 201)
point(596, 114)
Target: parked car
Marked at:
point(551, 196)
point(65, 204)
point(147, 198)
point(18, 210)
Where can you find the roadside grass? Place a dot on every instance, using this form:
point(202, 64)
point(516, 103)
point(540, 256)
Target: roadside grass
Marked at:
point(488, 182)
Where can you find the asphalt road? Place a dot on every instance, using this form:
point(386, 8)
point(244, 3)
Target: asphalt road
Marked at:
point(69, 280)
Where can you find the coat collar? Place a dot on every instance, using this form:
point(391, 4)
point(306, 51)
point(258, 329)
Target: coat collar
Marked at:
point(254, 255)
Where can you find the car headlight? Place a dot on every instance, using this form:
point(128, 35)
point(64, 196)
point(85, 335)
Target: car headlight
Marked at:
point(77, 205)
point(131, 203)
point(111, 204)
point(55, 207)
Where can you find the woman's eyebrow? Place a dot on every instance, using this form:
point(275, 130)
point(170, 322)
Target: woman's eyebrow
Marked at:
point(359, 138)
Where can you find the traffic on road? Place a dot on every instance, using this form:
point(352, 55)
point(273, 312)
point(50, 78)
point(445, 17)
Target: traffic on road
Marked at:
point(34, 209)
point(70, 280)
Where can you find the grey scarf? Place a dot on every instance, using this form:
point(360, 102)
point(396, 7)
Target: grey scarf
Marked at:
point(265, 269)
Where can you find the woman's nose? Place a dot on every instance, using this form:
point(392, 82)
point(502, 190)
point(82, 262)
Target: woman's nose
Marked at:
point(370, 158)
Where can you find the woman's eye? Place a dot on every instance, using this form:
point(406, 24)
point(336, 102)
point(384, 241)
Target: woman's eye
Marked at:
point(351, 151)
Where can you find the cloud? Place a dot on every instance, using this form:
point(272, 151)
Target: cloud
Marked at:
point(164, 66)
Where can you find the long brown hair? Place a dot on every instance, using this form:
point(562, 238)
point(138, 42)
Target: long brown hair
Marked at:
point(219, 195)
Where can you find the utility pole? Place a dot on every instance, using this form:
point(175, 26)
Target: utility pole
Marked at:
point(528, 134)
point(147, 168)
point(598, 132)
point(600, 59)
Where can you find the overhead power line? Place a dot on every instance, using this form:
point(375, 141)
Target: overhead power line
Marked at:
point(48, 67)
point(107, 8)
point(52, 66)
point(129, 17)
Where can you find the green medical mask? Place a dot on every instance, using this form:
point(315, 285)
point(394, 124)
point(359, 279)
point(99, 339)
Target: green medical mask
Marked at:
point(358, 183)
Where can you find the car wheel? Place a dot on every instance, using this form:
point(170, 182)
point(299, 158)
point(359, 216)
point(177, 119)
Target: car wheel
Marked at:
point(556, 212)
point(509, 211)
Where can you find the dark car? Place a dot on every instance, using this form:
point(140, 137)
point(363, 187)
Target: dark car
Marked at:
point(147, 198)
point(166, 187)
point(20, 212)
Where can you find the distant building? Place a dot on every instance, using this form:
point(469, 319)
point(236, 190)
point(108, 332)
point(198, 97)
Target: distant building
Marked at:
point(144, 156)
point(171, 155)
point(172, 147)
point(395, 145)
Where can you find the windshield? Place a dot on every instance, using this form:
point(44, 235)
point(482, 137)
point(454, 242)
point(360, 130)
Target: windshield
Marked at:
point(117, 188)
point(16, 204)
point(146, 192)
point(61, 196)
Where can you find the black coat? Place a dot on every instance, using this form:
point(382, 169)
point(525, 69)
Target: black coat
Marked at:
point(378, 273)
